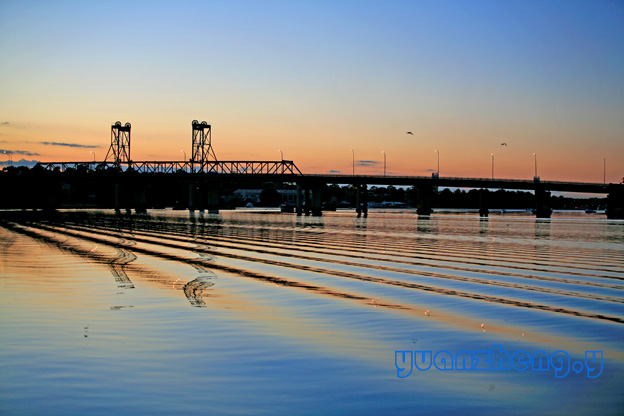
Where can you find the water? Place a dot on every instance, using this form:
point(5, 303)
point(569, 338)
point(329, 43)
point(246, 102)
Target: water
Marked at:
point(268, 313)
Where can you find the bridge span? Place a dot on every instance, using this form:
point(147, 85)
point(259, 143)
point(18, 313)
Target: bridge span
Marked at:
point(197, 182)
point(137, 185)
point(426, 185)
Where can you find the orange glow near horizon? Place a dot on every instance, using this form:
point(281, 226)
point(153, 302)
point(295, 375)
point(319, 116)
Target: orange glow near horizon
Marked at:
point(332, 154)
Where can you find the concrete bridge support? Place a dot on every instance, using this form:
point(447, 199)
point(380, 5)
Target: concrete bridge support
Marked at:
point(117, 196)
point(299, 208)
point(423, 202)
point(615, 202)
point(306, 201)
point(130, 193)
point(48, 193)
point(204, 196)
point(361, 200)
point(212, 199)
point(483, 205)
point(316, 204)
point(140, 198)
point(192, 201)
point(122, 197)
point(542, 204)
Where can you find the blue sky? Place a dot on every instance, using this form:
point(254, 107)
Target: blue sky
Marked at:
point(316, 79)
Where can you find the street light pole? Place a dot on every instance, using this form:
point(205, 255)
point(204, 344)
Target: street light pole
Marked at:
point(384, 153)
point(492, 165)
point(353, 153)
point(282, 160)
point(604, 172)
point(438, 172)
point(182, 150)
point(535, 156)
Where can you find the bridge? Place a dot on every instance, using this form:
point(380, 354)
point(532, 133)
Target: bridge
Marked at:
point(284, 167)
point(425, 186)
point(131, 183)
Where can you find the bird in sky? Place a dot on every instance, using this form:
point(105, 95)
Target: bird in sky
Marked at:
point(409, 132)
point(503, 144)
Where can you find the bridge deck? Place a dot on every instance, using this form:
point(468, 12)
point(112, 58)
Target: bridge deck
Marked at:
point(286, 169)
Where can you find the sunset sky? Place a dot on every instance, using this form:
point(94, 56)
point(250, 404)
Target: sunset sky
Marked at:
point(319, 78)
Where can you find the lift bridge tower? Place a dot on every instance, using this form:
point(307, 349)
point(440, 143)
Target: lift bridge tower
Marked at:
point(119, 151)
point(202, 151)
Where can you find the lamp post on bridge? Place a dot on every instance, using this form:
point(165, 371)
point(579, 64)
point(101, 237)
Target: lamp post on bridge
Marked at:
point(353, 153)
point(182, 151)
point(282, 153)
point(604, 172)
point(384, 153)
point(9, 158)
point(492, 165)
point(535, 178)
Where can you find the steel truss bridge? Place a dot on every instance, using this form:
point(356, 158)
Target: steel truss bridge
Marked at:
point(284, 167)
point(203, 158)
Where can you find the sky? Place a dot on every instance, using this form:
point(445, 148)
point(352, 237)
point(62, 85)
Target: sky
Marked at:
point(316, 79)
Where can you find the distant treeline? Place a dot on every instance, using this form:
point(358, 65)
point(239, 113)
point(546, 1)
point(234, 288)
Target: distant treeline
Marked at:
point(23, 187)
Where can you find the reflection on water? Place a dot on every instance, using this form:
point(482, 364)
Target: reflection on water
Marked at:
point(117, 268)
point(195, 290)
point(259, 312)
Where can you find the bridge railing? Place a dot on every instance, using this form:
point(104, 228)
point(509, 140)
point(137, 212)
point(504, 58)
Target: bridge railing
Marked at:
point(454, 178)
point(461, 182)
point(288, 168)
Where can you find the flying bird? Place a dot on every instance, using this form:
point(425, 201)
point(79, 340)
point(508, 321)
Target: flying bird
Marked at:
point(503, 144)
point(409, 132)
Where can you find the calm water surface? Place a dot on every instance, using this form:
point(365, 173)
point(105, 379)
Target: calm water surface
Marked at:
point(268, 313)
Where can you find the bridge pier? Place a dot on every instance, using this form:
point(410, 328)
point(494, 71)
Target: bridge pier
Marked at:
point(191, 196)
point(117, 202)
point(542, 204)
point(317, 204)
point(615, 202)
point(140, 199)
point(483, 205)
point(204, 196)
point(423, 204)
point(212, 198)
point(361, 200)
point(122, 197)
point(299, 208)
point(48, 193)
point(307, 201)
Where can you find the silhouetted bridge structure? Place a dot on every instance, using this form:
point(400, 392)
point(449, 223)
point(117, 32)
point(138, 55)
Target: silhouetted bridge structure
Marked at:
point(199, 180)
